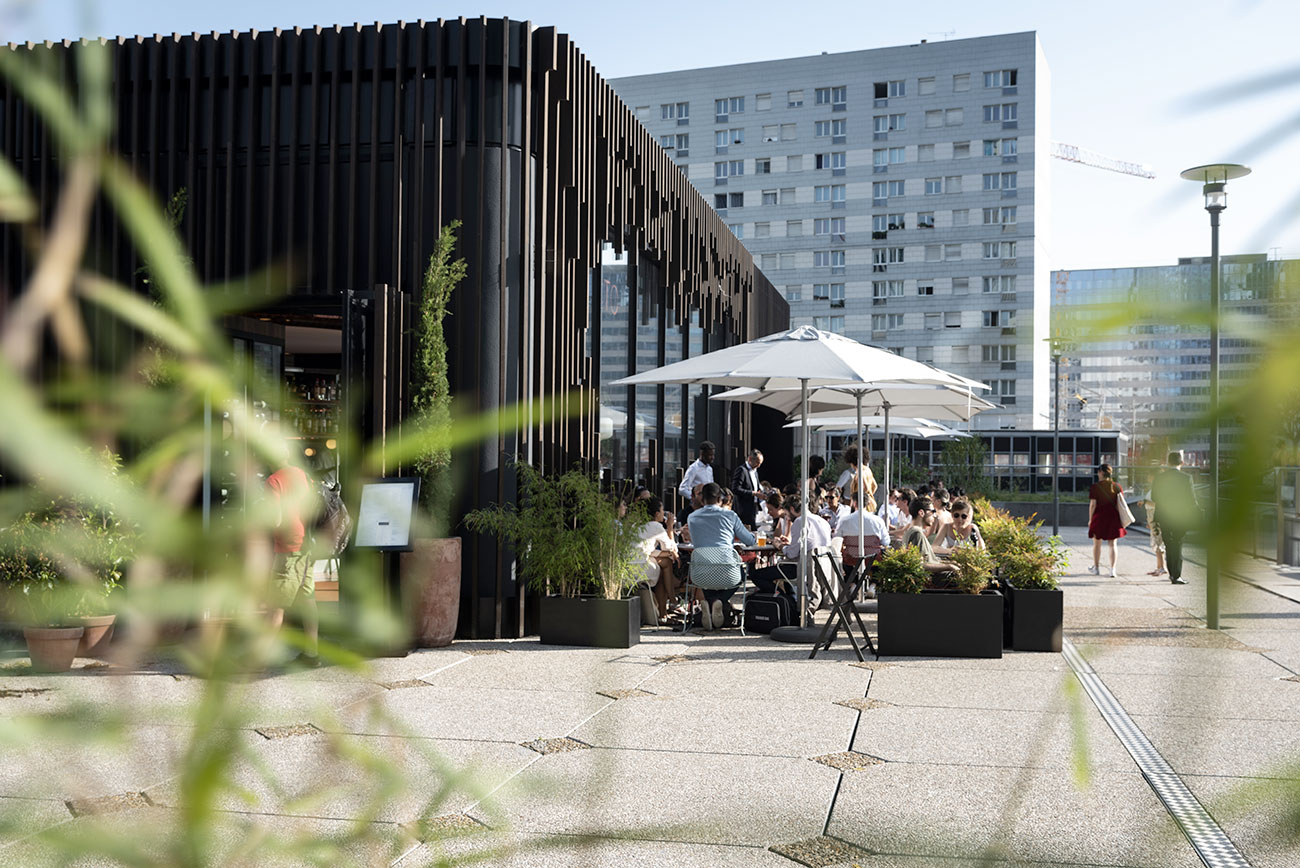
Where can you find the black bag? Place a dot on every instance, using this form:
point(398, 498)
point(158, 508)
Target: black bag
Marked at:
point(765, 612)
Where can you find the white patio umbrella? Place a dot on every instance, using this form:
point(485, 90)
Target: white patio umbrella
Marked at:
point(907, 426)
point(801, 358)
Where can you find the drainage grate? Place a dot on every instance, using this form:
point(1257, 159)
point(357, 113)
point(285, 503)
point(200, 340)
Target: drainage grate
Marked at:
point(864, 704)
point(848, 760)
point(1208, 839)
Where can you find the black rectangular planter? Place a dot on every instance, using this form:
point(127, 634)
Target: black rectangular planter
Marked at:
point(590, 621)
point(941, 623)
point(1036, 617)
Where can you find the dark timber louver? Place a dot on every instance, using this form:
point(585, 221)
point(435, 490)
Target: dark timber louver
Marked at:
point(342, 150)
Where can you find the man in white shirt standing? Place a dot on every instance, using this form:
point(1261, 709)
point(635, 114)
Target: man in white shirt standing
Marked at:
point(700, 472)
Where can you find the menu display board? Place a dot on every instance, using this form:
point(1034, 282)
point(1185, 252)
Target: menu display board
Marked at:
point(385, 516)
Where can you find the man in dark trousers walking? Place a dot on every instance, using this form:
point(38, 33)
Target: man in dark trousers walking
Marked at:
point(745, 486)
point(1176, 511)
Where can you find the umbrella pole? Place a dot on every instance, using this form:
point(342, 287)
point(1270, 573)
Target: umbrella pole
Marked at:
point(804, 633)
point(889, 446)
point(862, 491)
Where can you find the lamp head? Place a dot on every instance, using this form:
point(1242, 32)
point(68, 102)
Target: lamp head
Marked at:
point(1216, 197)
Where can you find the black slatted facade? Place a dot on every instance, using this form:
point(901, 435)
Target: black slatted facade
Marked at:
point(341, 151)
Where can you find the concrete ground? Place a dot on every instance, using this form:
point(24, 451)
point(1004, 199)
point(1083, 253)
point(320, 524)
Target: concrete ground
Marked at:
point(721, 750)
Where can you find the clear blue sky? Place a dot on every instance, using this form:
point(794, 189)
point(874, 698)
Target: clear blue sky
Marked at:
point(1129, 79)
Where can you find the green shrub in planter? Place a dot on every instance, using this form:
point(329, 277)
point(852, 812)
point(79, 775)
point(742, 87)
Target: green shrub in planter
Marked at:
point(974, 568)
point(901, 571)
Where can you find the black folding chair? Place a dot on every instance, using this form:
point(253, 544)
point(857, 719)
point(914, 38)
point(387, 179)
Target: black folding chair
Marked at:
point(829, 573)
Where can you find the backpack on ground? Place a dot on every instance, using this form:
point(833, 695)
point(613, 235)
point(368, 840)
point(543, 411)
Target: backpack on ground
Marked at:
point(765, 612)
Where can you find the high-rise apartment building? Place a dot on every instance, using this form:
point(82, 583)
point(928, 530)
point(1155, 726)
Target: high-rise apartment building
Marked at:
point(1137, 352)
point(892, 194)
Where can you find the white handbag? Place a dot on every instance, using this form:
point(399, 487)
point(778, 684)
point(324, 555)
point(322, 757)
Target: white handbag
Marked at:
point(1125, 514)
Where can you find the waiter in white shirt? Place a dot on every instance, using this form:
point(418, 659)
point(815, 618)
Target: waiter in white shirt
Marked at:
point(700, 472)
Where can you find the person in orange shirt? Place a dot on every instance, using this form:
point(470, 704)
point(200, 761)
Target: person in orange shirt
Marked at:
point(293, 587)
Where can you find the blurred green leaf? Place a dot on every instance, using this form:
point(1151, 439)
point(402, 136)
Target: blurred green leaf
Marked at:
point(16, 202)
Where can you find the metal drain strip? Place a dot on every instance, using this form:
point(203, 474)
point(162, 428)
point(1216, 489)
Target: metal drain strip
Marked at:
point(1207, 838)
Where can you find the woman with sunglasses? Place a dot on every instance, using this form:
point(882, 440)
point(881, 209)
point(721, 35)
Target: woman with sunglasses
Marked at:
point(962, 530)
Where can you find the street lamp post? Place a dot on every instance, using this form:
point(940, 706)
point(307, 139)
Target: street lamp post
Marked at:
point(1214, 178)
point(1056, 445)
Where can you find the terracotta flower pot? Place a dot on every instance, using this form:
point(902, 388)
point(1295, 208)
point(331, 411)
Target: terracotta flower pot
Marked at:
point(431, 591)
point(98, 635)
point(52, 649)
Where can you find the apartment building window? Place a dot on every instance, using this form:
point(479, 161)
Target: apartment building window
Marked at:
point(879, 193)
point(933, 119)
point(961, 82)
point(925, 287)
point(771, 132)
point(727, 168)
point(737, 229)
point(882, 257)
point(925, 153)
point(787, 195)
point(821, 291)
point(822, 96)
point(1000, 283)
point(793, 228)
point(951, 252)
point(679, 110)
point(999, 318)
point(885, 124)
point(643, 112)
point(736, 200)
point(794, 99)
point(1001, 112)
point(999, 250)
point(788, 132)
point(953, 117)
point(763, 166)
point(787, 261)
point(925, 355)
point(762, 102)
point(768, 262)
point(933, 186)
point(724, 138)
point(821, 129)
point(1000, 78)
point(884, 289)
point(719, 201)
point(734, 105)
point(666, 142)
point(1000, 181)
point(829, 226)
point(952, 320)
point(896, 221)
point(960, 285)
point(925, 86)
point(793, 292)
point(833, 324)
point(932, 320)
point(762, 230)
point(1006, 215)
point(961, 150)
point(837, 295)
point(1001, 147)
point(839, 98)
point(894, 320)
point(933, 252)
point(961, 217)
point(836, 160)
point(794, 163)
point(683, 144)
point(832, 259)
point(897, 88)
point(925, 220)
point(952, 183)
point(1004, 391)
point(769, 197)
point(998, 353)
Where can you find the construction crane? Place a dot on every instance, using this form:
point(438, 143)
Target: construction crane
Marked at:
point(1076, 154)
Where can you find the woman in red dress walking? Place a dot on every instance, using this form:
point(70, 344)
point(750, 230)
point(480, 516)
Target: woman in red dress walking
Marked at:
point(1103, 517)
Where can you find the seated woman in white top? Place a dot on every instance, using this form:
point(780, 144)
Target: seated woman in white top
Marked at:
point(960, 531)
point(660, 552)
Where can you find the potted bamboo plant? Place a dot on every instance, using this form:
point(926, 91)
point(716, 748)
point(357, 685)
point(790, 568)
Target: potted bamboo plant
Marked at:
point(431, 580)
point(964, 620)
point(578, 551)
point(1028, 566)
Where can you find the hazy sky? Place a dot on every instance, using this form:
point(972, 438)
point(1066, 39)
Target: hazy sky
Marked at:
point(1146, 81)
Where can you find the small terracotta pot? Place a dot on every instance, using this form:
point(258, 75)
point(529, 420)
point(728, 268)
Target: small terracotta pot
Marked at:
point(98, 635)
point(52, 649)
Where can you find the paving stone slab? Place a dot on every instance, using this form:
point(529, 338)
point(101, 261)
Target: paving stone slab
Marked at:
point(984, 737)
point(955, 688)
point(483, 714)
point(1010, 661)
point(782, 680)
point(316, 776)
point(699, 798)
point(1033, 815)
point(567, 851)
point(1233, 747)
point(20, 818)
point(145, 829)
point(1258, 815)
point(91, 768)
point(720, 724)
point(537, 671)
point(1205, 696)
point(1146, 660)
